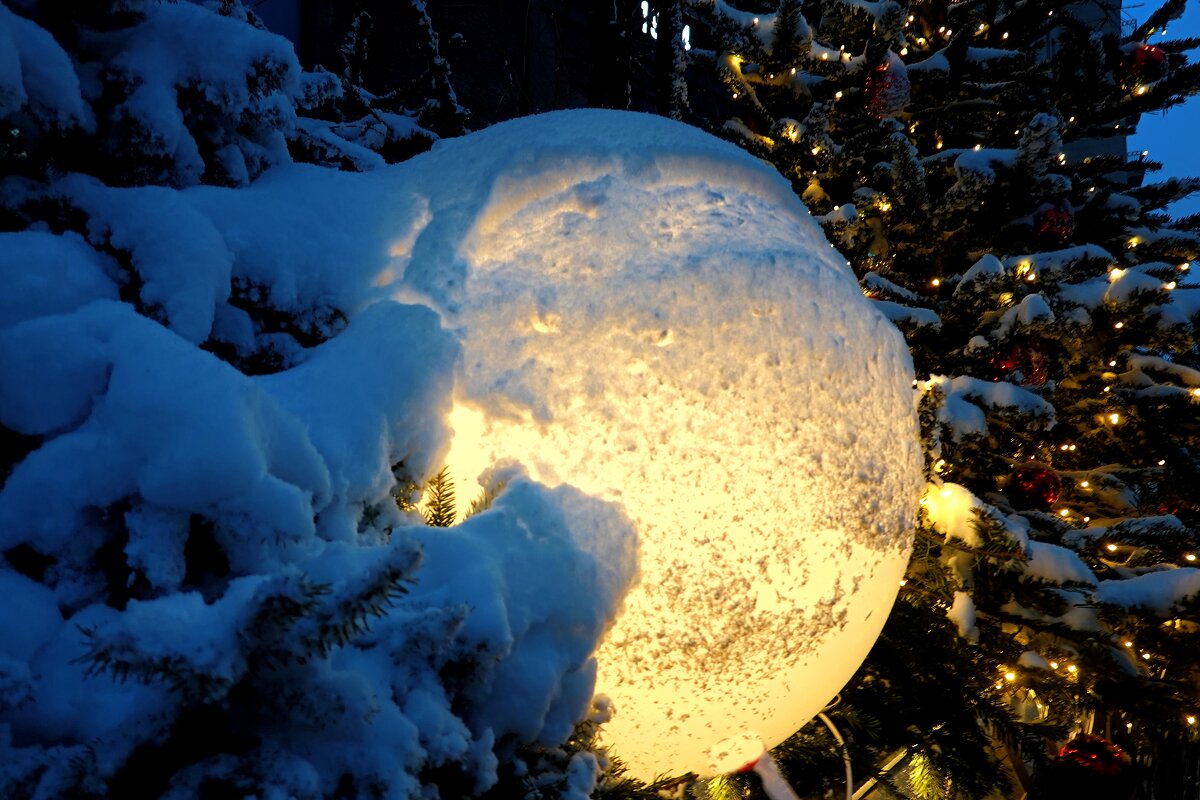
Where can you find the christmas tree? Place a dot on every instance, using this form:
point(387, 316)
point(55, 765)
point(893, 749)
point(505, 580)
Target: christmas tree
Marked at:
point(968, 159)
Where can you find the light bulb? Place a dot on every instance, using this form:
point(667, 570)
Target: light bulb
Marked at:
point(1112, 548)
point(1084, 484)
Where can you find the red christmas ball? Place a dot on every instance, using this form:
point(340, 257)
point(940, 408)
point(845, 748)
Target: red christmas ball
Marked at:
point(886, 89)
point(1144, 63)
point(1034, 485)
point(1054, 225)
point(1092, 767)
point(1024, 360)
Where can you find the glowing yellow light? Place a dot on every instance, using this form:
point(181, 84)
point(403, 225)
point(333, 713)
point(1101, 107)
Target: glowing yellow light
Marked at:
point(1112, 363)
point(754, 21)
point(939, 144)
point(936, 281)
point(1004, 35)
point(1053, 665)
point(1141, 90)
point(977, 148)
point(816, 150)
point(1065, 512)
point(982, 26)
point(945, 492)
point(793, 70)
point(904, 581)
point(1170, 285)
point(1114, 418)
point(1196, 392)
point(1115, 273)
point(1162, 461)
point(1146, 656)
point(1032, 276)
point(658, 657)
point(921, 40)
point(1119, 325)
point(1190, 556)
point(735, 95)
point(1084, 484)
point(824, 56)
point(837, 95)
point(1134, 241)
point(941, 462)
point(1108, 388)
point(1010, 676)
point(1072, 119)
point(1191, 720)
point(1072, 669)
point(1185, 266)
point(885, 206)
point(1087, 519)
point(949, 33)
point(1128, 644)
point(903, 51)
point(1112, 548)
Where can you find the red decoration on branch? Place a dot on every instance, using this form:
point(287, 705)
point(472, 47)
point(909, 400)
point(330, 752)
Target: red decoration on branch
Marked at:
point(1054, 225)
point(1025, 357)
point(1092, 767)
point(1034, 485)
point(887, 88)
point(1143, 63)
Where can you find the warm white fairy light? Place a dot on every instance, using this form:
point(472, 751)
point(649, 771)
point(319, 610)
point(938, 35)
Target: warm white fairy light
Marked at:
point(1010, 676)
point(1004, 35)
point(1112, 363)
point(1114, 418)
point(977, 148)
point(1169, 285)
point(1162, 461)
point(1185, 266)
point(837, 95)
point(1191, 720)
point(1196, 392)
point(1119, 325)
point(1071, 668)
point(1112, 548)
point(1141, 90)
point(1146, 656)
point(1087, 519)
point(903, 51)
point(936, 281)
point(1128, 644)
point(1190, 556)
point(1085, 484)
point(1066, 512)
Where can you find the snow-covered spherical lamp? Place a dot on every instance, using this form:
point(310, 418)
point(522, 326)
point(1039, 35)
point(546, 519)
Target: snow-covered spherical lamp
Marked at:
point(651, 315)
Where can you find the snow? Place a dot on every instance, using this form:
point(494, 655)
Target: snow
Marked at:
point(962, 614)
point(36, 72)
point(652, 310)
point(986, 268)
point(1164, 592)
point(965, 402)
point(1032, 309)
point(1055, 564)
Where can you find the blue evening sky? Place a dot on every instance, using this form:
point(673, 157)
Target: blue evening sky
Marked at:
point(1169, 135)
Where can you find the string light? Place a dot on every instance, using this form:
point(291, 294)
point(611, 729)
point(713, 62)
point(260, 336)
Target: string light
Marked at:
point(1191, 720)
point(1146, 656)
point(1004, 35)
point(1085, 484)
point(1141, 90)
point(977, 148)
point(1087, 519)
point(1162, 461)
point(1071, 668)
point(754, 21)
point(1185, 266)
point(1196, 392)
point(1112, 548)
point(1112, 363)
point(1128, 644)
point(1170, 285)
point(1190, 556)
point(1065, 512)
point(837, 95)
point(1119, 325)
point(903, 51)
point(1010, 676)
point(1114, 418)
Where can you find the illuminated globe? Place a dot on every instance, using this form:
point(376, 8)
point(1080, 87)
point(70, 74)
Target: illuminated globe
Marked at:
point(651, 315)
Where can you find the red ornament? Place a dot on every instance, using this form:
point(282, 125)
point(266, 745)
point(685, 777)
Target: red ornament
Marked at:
point(1026, 359)
point(887, 88)
point(1143, 63)
point(1092, 767)
point(1054, 225)
point(1034, 485)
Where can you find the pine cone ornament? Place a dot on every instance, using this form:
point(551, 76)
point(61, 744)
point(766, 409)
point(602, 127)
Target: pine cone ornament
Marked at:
point(1034, 485)
point(887, 88)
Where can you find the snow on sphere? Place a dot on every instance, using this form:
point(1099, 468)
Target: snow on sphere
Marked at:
point(651, 315)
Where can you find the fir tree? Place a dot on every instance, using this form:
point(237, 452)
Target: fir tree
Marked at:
point(968, 159)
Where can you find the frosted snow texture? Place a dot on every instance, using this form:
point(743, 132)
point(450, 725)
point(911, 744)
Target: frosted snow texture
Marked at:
point(666, 327)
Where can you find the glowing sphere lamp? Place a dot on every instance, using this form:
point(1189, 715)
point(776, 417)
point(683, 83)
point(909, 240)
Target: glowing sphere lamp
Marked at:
point(661, 323)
